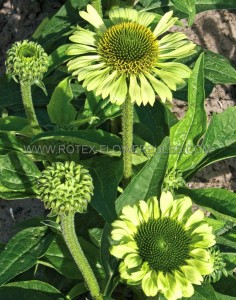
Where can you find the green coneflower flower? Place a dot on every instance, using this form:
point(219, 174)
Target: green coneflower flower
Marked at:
point(163, 246)
point(65, 187)
point(127, 57)
point(27, 61)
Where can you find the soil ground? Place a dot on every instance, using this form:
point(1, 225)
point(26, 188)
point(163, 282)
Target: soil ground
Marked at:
point(213, 30)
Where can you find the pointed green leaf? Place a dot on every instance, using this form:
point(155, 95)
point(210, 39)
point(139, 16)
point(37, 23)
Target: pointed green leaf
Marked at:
point(106, 173)
point(60, 110)
point(148, 181)
point(185, 135)
point(17, 171)
point(213, 199)
point(34, 289)
point(22, 252)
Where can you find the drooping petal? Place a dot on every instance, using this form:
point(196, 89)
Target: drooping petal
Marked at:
point(192, 274)
point(203, 267)
point(149, 284)
point(121, 251)
point(174, 292)
point(119, 91)
point(132, 260)
point(196, 217)
point(134, 90)
point(147, 93)
point(161, 89)
point(200, 254)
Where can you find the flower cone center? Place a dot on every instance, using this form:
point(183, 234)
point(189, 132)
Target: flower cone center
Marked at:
point(27, 52)
point(129, 48)
point(163, 243)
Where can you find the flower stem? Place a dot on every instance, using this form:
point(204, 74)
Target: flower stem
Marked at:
point(127, 134)
point(68, 231)
point(97, 4)
point(28, 103)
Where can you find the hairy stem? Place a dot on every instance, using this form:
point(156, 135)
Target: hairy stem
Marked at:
point(68, 231)
point(127, 135)
point(28, 103)
point(97, 4)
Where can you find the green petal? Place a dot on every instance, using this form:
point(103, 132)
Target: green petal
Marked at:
point(93, 17)
point(121, 235)
point(204, 268)
point(181, 207)
point(105, 86)
point(200, 254)
point(132, 260)
point(138, 275)
point(168, 78)
point(187, 288)
point(128, 226)
point(153, 206)
point(135, 91)
point(192, 274)
point(143, 211)
point(166, 202)
point(161, 89)
point(83, 36)
point(93, 82)
point(80, 49)
point(164, 24)
point(172, 38)
point(147, 93)
point(176, 68)
point(204, 228)
point(123, 271)
point(119, 91)
point(180, 52)
point(120, 251)
point(130, 213)
point(175, 290)
point(145, 18)
point(163, 284)
point(196, 217)
point(149, 284)
point(120, 15)
point(204, 240)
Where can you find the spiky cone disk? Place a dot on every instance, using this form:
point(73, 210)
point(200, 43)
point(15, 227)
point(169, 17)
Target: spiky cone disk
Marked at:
point(126, 57)
point(163, 246)
point(65, 187)
point(27, 61)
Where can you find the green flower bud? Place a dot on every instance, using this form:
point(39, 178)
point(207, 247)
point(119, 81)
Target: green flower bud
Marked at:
point(27, 61)
point(65, 187)
point(173, 180)
point(219, 264)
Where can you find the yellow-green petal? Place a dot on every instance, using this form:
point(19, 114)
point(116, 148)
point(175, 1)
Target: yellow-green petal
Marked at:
point(149, 284)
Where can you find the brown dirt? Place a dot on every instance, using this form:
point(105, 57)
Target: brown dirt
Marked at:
point(213, 30)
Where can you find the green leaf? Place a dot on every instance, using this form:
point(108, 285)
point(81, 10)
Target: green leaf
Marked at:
point(61, 22)
point(99, 108)
point(77, 290)
point(186, 6)
point(213, 199)
point(109, 262)
point(218, 68)
point(60, 110)
point(203, 292)
point(9, 194)
point(226, 286)
point(12, 123)
point(201, 5)
point(57, 57)
point(9, 141)
point(106, 173)
point(34, 289)
point(223, 297)
point(22, 252)
point(58, 256)
point(98, 140)
point(219, 141)
point(17, 171)
point(185, 135)
point(151, 123)
point(148, 181)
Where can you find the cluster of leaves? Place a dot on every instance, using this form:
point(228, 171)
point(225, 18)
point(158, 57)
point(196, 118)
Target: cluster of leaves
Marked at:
point(36, 262)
